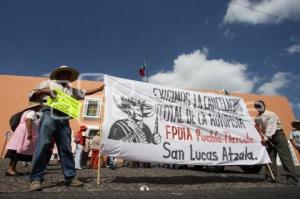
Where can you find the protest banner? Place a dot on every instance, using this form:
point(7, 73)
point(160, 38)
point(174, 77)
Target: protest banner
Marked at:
point(152, 123)
point(65, 103)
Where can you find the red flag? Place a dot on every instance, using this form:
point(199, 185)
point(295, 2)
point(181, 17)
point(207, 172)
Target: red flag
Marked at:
point(142, 72)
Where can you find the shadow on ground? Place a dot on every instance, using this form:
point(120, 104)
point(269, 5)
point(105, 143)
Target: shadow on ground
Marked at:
point(185, 180)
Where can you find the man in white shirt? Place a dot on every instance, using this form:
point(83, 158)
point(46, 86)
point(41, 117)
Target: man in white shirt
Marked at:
point(55, 124)
point(276, 142)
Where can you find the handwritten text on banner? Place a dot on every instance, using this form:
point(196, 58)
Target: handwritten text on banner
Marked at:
point(152, 123)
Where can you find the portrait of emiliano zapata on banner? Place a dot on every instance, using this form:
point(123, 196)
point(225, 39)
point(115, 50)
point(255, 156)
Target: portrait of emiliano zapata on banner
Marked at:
point(132, 128)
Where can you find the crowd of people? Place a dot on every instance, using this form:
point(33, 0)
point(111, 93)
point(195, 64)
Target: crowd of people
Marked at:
point(44, 134)
point(53, 127)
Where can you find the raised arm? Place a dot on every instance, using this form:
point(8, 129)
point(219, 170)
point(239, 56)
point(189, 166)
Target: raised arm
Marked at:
point(95, 90)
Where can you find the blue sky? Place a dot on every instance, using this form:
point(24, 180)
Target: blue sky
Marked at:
point(210, 44)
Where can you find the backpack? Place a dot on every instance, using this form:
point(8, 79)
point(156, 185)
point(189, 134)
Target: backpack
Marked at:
point(15, 119)
point(77, 139)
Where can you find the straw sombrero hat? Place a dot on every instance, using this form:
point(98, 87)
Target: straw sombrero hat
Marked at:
point(127, 106)
point(73, 71)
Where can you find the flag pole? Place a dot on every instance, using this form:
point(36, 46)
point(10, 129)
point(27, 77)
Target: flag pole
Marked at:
point(146, 69)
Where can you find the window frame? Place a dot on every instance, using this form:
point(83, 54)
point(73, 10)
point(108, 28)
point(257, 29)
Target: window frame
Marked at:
point(85, 107)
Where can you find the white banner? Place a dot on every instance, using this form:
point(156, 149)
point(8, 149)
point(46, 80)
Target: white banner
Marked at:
point(152, 123)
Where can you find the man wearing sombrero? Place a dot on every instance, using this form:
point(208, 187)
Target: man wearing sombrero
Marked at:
point(55, 124)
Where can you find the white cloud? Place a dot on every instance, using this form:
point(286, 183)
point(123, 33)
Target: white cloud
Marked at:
point(229, 34)
point(293, 49)
point(195, 70)
point(298, 105)
point(45, 74)
point(292, 104)
point(294, 38)
point(278, 81)
point(262, 12)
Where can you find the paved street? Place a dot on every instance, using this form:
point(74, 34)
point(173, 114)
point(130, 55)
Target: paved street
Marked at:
point(162, 182)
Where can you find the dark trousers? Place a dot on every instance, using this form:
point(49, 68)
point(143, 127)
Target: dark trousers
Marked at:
point(279, 145)
point(59, 129)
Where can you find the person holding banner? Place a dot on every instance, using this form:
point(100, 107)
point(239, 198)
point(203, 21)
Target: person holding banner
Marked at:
point(55, 124)
point(276, 142)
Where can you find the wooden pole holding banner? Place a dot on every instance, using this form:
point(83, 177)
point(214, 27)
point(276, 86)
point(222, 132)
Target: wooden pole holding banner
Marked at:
point(271, 172)
point(272, 145)
point(99, 170)
point(101, 136)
